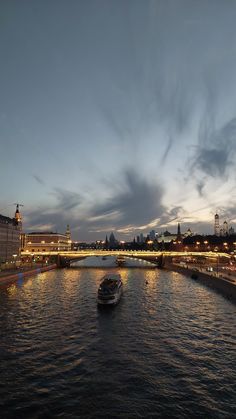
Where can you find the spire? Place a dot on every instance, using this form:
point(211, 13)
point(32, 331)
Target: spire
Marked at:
point(68, 233)
point(106, 243)
point(217, 225)
point(18, 217)
point(112, 239)
point(178, 231)
point(179, 235)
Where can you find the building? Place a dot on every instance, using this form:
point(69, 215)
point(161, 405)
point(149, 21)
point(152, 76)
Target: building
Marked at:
point(225, 229)
point(188, 233)
point(152, 235)
point(10, 230)
point(231, 231)
point(141, 238)
point(112, 241)
point(166, 237)
point(45, 242)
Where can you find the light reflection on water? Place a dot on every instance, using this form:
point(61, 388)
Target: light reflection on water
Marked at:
point(166, 350)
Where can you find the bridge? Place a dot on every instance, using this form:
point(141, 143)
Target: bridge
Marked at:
point(64, 258)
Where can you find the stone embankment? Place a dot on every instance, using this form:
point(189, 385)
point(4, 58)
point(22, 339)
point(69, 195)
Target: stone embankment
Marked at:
point(6, 277)
point(224, 285)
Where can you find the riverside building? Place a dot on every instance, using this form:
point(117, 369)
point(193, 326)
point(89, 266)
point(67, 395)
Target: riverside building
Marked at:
point(10, 230)
point(46, 242)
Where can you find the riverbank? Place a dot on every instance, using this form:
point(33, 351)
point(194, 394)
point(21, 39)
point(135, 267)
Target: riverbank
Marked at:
point(221, 284)
point(6, 277)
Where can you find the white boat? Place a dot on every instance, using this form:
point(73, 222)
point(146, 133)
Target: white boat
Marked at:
point(110, 289)
point(120, 261)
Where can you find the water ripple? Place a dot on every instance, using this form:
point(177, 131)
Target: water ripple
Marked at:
point(167, 349)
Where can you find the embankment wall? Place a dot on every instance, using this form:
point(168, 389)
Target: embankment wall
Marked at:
point(220, 284)
point(23, 274)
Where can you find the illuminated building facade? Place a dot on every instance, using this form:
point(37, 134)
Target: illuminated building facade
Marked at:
point(45, 242)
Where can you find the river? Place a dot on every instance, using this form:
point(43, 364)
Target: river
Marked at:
point(166, 350)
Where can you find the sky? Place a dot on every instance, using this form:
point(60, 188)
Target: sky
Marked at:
point(118, 115)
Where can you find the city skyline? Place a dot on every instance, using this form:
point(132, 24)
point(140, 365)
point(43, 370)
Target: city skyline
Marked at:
point(118, 116)
point(221, 229)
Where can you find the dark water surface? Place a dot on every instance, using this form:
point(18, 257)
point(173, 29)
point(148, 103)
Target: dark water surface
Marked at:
point(167, 350)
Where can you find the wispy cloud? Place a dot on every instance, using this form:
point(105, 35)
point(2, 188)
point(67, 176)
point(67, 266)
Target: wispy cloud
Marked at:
point(139, 203)
point(215, 153)
point(39, 179)
point(136, 205)
point(167, 150)
point(67, 200)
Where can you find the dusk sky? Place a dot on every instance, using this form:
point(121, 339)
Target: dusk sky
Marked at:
point(118, 115)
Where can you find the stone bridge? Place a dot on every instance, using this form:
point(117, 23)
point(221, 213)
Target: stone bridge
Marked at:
point(159, 258)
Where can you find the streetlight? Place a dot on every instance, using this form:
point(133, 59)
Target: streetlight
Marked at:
point(225, 246)
point(14, 256)
point(217, 266)
point(32, 255)
point(122, 243)
point(150, 243)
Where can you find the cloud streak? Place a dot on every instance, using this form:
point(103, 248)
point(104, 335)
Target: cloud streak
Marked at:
point(39, 179)
point(215, 153)
point(139, 203)
point(67, 200)
point(134, 205)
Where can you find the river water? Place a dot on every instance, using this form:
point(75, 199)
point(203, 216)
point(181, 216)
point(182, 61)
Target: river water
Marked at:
point(166, 350)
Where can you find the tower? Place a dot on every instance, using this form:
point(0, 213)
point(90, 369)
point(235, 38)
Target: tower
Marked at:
point(68, 237)
point(225, 229)
point(106, 243)
point(179, 235)
point(112, 240)
point(217, 225)
point(68, 233)
point(18, 217)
